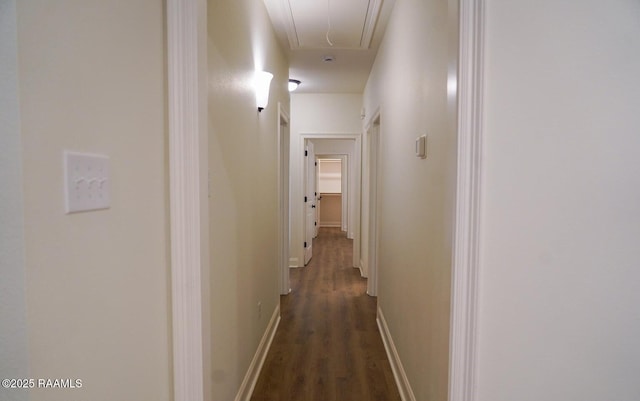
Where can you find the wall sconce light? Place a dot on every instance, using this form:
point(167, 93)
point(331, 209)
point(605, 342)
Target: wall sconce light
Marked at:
point(262, 84)
point(293, 84)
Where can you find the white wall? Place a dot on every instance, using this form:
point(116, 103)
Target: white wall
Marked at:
point(559, 277)
point(330, 211)
point(14, 361)
point(330, 175)
point(408, 84)
point(316, 114)
point(92, 78)
point(243, 223)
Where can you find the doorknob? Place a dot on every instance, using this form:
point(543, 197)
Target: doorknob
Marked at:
point(313, 206)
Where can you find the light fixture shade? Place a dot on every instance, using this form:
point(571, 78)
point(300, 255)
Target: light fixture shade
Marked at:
point(262, 84)
point(293, 84)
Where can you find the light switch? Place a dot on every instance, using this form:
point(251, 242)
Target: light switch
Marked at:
point(421, 147)
point(86, 182)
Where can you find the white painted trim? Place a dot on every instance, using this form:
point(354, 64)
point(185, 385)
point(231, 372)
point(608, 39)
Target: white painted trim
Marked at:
point(346, 200)
point(374, 130)
point(404, 387)
point(336, 224)
point(185, 108)
point(251, 377)
point(290, 26)
point(293, 263)
point(283, 199)
point(362, 268)
point(370, 23)
point(462, 358)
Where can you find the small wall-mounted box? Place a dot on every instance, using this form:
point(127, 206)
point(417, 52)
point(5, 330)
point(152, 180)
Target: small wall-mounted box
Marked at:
point(86, 182)
point(421, 147)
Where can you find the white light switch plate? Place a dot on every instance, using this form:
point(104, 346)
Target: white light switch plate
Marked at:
point(421, 147)
point(86, 182)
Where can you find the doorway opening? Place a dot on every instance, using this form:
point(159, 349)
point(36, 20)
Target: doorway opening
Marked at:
point(310, 200)
point(283, 200)
point(332, 191)
point(347, 148)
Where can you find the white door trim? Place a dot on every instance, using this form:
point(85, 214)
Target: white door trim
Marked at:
point(344, 188)
point(373, 130)
point(187, 108)
point(309, 169)
point(462, 357)
point(283, 200)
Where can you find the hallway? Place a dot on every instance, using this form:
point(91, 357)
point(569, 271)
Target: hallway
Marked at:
point(327, 346)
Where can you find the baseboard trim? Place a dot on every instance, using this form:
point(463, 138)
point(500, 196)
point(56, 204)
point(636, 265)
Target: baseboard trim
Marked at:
point(251, 378)
point(406, 393)
point(293, 262)
point(362, 269)
point(330, 224)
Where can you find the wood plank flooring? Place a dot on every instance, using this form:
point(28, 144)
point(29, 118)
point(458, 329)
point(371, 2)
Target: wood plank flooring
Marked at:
point(327, 346)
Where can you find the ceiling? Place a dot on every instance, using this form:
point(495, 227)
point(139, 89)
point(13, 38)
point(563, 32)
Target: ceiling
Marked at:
point(349, 31)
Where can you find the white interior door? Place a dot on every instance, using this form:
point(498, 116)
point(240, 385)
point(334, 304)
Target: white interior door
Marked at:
point(310, 201)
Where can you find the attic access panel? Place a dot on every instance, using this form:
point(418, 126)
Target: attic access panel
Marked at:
point(350, 23)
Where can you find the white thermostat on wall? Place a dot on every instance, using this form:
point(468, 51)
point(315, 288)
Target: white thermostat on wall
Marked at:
point(421, 147)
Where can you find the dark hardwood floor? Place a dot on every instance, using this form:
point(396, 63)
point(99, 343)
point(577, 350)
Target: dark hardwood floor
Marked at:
point(327, 346)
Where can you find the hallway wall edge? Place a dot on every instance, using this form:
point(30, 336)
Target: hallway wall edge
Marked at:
point(464, 299)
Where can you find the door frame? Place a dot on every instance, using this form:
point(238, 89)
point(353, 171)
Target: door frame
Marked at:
point(357, 137)
point(373, 131)
point(344, 187)
point(467, 233)
point(283, 198)
point(186, 26)
point(309, 198)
